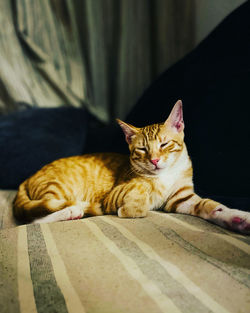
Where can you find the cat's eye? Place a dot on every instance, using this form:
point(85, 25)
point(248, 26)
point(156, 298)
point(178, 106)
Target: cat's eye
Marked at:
point(164, 144)
point(143, 149)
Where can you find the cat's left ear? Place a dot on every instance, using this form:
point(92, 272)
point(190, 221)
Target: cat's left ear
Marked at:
point(129, 130)
point(175, 119)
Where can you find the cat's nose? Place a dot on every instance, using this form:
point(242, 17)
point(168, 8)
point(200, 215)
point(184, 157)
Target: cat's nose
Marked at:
point(155, 161)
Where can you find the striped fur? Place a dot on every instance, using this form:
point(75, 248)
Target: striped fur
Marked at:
point(157, 174)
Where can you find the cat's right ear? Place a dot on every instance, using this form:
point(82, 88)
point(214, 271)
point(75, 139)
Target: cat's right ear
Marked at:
point(175, 119)
point(129, 130)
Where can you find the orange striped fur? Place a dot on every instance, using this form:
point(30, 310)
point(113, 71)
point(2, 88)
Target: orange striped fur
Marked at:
point(156, 175)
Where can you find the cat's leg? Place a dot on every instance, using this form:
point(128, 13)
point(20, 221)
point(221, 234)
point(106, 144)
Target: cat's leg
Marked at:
point(73, 212)
point(135, 204)
point(189, 203)
point(70, 213)
point(128, 200)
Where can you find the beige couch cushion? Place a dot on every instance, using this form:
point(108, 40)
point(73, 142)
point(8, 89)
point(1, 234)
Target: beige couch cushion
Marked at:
point(161, 263)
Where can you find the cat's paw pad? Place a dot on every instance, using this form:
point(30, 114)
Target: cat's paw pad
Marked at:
point(235, 220)
point(241, 224)
point(123, 212)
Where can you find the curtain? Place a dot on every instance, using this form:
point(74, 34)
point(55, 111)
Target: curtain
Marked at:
point(99, 54)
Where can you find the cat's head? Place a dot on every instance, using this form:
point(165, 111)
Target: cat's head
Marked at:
point(155, 147)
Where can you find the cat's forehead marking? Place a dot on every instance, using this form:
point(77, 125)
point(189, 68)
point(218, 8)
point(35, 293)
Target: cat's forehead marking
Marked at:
point(151, 132)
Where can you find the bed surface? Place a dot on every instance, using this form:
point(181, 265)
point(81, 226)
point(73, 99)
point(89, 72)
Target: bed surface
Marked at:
point(161, 263)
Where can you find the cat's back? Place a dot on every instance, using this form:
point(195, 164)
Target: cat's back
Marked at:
point(95, 172)
point(93, 165)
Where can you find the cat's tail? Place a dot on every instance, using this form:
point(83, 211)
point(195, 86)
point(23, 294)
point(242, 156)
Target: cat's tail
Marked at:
point(26, 209)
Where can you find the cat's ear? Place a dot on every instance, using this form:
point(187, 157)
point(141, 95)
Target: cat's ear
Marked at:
point(129, 130)
point(175, 119)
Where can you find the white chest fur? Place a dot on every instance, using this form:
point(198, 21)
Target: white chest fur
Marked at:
point(169, 178)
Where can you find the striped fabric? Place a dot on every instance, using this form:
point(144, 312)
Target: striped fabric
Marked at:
point(161, 263)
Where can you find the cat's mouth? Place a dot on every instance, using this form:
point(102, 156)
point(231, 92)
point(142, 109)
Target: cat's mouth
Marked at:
point(157, 169)
point(146, 169)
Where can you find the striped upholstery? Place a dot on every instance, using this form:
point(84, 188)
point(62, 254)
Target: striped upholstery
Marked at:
point(162, 263)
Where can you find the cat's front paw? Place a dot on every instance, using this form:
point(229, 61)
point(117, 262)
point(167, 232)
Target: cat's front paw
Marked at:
point(73, 212)
point(132, 212)
point(235, 220)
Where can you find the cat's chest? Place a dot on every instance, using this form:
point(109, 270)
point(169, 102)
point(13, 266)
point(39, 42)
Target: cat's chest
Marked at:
point(164, 186)
point(166, 181)
point(161, 191)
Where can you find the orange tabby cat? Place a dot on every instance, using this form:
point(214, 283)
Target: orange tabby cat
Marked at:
point(157, 174)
